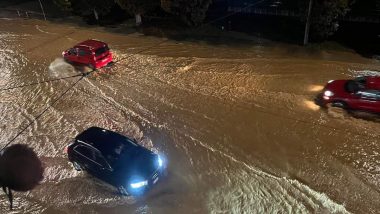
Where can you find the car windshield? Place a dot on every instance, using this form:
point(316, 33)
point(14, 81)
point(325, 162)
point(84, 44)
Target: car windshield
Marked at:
point(120, 150)
point(101, 50)
point(115, 146)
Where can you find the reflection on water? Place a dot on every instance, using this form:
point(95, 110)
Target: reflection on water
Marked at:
point(315, 88)
point(311, 105)
point(240, 132)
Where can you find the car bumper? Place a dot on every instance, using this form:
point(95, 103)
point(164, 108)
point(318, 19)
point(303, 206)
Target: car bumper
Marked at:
point(319, 100)
point(156, 178)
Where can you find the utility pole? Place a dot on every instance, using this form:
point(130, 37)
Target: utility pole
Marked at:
point(307, 27)
point(42, 8)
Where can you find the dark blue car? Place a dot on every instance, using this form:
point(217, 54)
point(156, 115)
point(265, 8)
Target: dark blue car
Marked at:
point(116, 159)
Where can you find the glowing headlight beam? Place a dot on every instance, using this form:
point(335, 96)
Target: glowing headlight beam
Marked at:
point(328, 93)
point(160, 162)
point(139, 184)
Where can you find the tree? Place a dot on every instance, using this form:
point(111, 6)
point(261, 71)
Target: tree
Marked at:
point(192, 12)
point(65, 5)
point(87, 9)
point(138, 7)
point(325, 16)
point(20, 170)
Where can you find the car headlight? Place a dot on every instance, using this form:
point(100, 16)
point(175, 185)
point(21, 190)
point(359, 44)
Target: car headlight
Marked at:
point(330, 81)
point(139, 184)
point(328, 93)
point(160, 162)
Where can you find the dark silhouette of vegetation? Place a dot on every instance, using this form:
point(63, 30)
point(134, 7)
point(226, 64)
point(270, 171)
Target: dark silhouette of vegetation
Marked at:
point(90, 10)
point(138, 7)
point(20, 170)
point(192, 12)
point(12, 2)
point(325, 15)
point(325, 19)
point(65, 5)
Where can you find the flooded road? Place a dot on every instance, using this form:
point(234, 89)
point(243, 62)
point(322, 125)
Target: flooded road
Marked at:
point(236, 123)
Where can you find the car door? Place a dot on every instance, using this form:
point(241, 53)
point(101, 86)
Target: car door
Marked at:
point(84, 56)
point(105, 171)
point(85, 155)
point(72, 54)
point(369, 100)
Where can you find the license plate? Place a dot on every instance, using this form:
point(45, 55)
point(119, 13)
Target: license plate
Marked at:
point(155, 180)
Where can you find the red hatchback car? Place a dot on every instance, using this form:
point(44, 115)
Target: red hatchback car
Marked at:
point(93, 53)
point(362, 93)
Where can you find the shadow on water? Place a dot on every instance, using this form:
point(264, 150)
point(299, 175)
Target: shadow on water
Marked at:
point(372, 117)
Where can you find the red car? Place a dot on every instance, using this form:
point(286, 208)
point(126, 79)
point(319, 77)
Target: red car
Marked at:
point(362, 93)
point(92, 53)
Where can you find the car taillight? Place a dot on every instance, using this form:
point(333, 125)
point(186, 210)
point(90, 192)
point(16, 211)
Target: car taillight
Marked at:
point(66, 149)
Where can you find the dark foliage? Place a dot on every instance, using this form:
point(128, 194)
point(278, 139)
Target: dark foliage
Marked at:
point(325, 15)
point(138, 6)
point(20, 168)
point(64, 5)
point(192, 12)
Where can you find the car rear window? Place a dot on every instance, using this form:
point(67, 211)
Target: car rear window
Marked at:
point(101, 50)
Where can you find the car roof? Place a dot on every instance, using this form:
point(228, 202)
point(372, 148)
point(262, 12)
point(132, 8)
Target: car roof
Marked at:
point(105, 140)
point(91, 44)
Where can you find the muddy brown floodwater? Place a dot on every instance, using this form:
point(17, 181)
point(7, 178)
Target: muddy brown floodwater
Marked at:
point(236, 123)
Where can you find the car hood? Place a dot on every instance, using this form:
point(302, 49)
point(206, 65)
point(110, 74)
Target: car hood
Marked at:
point(141, 164)
point(336, 86)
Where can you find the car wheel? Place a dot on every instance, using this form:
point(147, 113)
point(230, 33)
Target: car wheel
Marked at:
point(91, 66)
point(110, 64)
point(122, 190)
point(77, 166)
point(339, 104)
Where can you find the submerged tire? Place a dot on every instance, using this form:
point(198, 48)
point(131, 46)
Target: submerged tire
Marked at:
point(110, 64)
point(77, 166)
point(337, 110)
point(339, 104)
